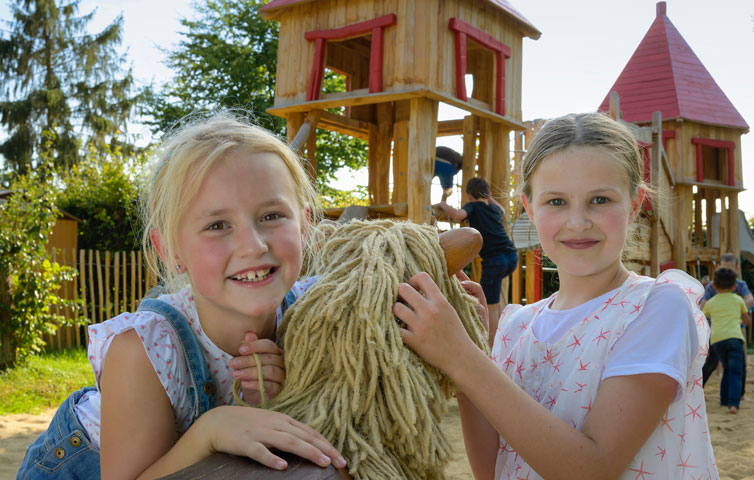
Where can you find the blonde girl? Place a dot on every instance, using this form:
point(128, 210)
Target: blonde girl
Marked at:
point(602, 379)
point(226, 213)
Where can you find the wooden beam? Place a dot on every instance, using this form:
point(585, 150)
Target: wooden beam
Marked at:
point(308, 128)
point(468, 164)
point(422, 128)
point(400, 161)
point(341, 124)
point(380, 137)
point(450, 127)
point(655, 159)
point(362, 97)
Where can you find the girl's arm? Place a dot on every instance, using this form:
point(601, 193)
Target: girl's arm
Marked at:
point(624, 414)
point(479, 437)
point(138, 432)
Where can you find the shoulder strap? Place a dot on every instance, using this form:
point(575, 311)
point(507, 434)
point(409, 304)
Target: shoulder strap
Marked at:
point(203, 388)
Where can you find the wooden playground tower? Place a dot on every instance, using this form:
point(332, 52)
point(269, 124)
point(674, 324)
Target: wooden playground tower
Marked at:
point(400, 59)
point(697, 144)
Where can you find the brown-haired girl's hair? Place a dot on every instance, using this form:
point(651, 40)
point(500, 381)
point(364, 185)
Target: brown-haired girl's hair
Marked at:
point(584, 130)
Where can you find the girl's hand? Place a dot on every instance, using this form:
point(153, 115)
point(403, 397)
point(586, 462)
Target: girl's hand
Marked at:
point(245, 368)
point(252, 432)
point(475, 290)
point(434, 330)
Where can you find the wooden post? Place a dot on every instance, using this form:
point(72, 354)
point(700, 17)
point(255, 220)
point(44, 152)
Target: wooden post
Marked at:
point(116, 280)
point(516, 280)
point(682, 215)
point(468, 165)
point(733, 244)
point(533, 275)
point(133, 281)
point(422, 129)
point(400, 152)
point(484, 163)
point(91, 291)
point(614, 105)
point(294, 122)
point(654, 175)
point(380, 137)
point(500, 178)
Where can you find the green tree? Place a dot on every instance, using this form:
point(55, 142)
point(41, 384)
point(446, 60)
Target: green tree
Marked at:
point(102, 191)
point(55, 76)
point(28, 279)
point(228, 59)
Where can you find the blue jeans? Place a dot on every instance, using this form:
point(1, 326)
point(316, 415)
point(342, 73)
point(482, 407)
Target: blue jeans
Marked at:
point(731, 354)
point(64, 451)
point(445, 172)
point(494, 270)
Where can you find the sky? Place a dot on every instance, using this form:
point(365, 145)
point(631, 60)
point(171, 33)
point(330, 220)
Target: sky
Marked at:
point(583, 48)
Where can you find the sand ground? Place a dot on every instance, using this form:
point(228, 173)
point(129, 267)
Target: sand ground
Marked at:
point(732, 436)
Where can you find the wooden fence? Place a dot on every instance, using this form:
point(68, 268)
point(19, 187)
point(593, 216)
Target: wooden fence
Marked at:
point(107, 284)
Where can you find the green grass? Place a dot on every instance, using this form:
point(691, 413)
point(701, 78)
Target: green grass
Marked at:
point(43, 381)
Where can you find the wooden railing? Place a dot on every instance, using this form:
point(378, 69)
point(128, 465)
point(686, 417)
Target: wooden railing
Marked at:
point(107, 284)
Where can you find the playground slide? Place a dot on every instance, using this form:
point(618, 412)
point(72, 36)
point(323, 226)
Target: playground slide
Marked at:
point(745, 237)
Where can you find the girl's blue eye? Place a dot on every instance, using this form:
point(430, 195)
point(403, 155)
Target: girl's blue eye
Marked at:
point(556, 202)
point(600, 200)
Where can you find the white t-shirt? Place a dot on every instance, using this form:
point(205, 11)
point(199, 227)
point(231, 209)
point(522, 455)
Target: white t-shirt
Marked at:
point(662, 338)
point(160, 342)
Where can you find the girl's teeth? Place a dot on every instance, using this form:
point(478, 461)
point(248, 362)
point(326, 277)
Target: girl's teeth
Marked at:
point(253, 276)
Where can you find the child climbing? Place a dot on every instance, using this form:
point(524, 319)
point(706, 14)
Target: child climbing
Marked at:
point(226, 215)
point(587, 383)
point(499, 255)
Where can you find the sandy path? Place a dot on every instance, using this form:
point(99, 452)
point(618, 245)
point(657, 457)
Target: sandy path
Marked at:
point(732, 436)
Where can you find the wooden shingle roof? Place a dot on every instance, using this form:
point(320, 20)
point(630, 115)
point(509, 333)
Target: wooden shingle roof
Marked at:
point(665, 74)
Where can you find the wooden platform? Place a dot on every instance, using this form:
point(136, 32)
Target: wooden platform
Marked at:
point(230, 467)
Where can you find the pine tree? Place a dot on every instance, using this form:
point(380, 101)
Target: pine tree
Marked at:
point(56, 76)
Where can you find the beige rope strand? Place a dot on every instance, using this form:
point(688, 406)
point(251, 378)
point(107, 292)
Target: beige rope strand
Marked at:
point(349, 375)
point(237, 386)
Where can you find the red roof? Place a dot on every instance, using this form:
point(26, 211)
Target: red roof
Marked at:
point(664, 74)
point(270, 11)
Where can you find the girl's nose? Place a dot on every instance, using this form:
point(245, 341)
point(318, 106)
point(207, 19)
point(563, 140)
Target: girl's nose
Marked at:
point(252, 242)
point(579, 220)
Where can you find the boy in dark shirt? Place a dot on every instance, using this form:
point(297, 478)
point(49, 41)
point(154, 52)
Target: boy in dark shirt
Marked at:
point(499, 255)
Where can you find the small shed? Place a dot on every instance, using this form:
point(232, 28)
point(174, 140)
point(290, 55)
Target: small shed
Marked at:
point(700, 132)
point(400, 59)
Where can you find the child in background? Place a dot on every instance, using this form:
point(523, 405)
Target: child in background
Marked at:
point(227, 214)
point(726, 311)
point(499, 255)
point(589, 383)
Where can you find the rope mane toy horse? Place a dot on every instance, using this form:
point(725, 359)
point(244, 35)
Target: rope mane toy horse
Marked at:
point(349, 375)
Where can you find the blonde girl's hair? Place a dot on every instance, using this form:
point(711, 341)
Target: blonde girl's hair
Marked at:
point(182, 163)
point(584, 130)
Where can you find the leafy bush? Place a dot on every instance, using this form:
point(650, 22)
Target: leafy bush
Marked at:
point(102, 192)
point(28, 280)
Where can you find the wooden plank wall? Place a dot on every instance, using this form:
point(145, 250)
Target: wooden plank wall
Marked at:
point(419, 50)
point(107, 284)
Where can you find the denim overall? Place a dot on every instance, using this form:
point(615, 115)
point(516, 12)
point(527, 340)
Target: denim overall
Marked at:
point(64, 451)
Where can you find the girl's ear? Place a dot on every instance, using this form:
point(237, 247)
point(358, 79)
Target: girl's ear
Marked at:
point(527, 208)
point(306, 222)
point(160, 246)
point(637, 202)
